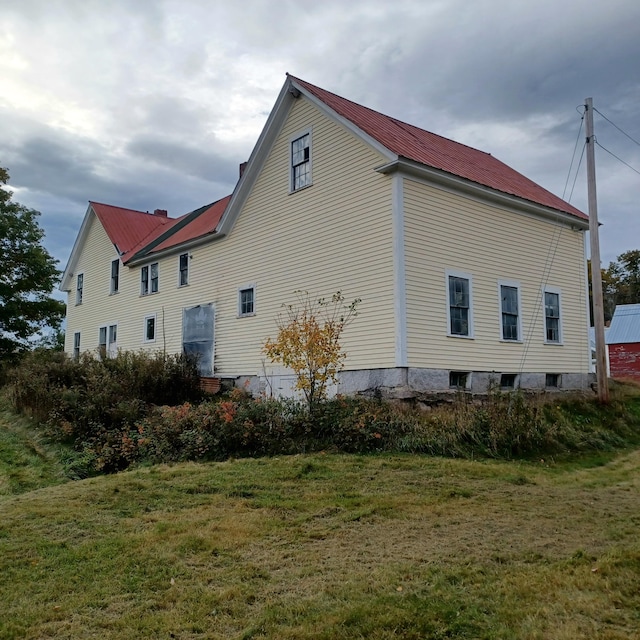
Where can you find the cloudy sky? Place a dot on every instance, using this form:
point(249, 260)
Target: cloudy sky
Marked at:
point(153, 103)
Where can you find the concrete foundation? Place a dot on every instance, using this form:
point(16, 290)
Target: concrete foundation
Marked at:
point(406, 383)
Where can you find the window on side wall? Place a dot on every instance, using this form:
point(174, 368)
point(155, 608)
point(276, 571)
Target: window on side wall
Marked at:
point(115, 275)
point(76, 345)
point(149, 280)
point(552, 316)
point(79, 287)
point(459, 309)
point(301, 161)
point(510, 312)
point(246, 301)
point(102, 342)
point(150, 328)
point(183, 270)
point(113, 341)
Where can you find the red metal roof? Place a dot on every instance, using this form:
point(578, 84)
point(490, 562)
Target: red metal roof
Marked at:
point(203, 223)
point(129, 229)
point(433, 150)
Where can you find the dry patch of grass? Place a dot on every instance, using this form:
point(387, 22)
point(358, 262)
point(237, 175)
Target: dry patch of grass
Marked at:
point(328, 546)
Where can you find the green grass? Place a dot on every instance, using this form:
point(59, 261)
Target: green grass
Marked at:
point(27, 461)
point(328, 546)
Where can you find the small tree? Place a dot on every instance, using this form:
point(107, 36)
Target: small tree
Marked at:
point(27, 275)
point(308, 341)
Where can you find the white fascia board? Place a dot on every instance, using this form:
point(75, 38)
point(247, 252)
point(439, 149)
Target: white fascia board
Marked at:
point(257, 158)
point(67, 274)
point(347, 124)
point(457, 184)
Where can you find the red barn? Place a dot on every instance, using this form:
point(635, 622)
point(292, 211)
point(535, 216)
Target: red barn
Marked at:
point(623, 339)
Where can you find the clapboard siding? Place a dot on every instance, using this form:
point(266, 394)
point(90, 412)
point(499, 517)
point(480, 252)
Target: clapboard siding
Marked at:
point(334, 235)
point(449, 231)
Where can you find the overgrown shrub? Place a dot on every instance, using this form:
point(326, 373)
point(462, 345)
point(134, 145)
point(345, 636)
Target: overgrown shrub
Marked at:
point(95, 404)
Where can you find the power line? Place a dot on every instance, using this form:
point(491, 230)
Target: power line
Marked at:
point(617, 127)
point(573, 157)
point(573, 186)
point(616, 157)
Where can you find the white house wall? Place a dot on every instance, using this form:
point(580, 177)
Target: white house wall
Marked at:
point(334, 235)
point(446, 231)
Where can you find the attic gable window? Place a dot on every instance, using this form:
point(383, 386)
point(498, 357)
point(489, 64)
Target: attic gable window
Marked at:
point(115, 275)
point(79, 288)
point(301, 161)
point(149, 279)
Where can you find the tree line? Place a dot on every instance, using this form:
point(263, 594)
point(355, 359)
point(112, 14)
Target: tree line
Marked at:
point(620, 283)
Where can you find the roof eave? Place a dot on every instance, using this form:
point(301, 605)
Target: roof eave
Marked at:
point(181, 247)
point(451, 181)
point(67, 274)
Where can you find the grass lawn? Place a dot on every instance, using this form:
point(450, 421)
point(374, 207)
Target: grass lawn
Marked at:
point(328, 546)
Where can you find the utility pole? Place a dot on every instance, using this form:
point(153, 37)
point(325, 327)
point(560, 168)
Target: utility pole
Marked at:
point(596, 275)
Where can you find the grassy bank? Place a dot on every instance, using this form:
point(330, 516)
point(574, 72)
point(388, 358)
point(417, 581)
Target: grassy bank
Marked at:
point(328, 546)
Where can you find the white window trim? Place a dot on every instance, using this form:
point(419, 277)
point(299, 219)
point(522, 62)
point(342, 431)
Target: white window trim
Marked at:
point(558, 291)
point(77, 350)
point(155, 328)
point(112, 352)
point(308, 131)
point(149, 291)
point(469, 277)
point(78, 275)
point(250, 285)
point(111, 289)
point(106, 339)
point(180, 285)
point(516, 285)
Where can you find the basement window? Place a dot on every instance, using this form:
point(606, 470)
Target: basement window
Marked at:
point(552, 380)
point(508, 381)
point(459, 379)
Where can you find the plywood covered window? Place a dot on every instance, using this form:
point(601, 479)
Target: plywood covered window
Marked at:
point(197, 336)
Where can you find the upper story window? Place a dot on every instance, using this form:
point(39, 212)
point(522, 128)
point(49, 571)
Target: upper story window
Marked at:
point(301, 161)
point(246, 301)
point(552, 316)
point(115, 275)
point(79, 287)
point(183, 277)
point(510, 311)
point(459, 310)
point(149, 279)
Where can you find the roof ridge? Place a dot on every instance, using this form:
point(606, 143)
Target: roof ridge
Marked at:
point(115, 206)
point(402, 123)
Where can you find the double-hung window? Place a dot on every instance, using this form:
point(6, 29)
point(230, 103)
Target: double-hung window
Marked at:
point(246, 300)
point(183, 275)
point(301, 161)
point(79, 287)
point(552, 317)
point(149, 279)
point(115, 276)
point(510, 311)
point(76, 345)
point(102, 342)
point(150, 328)
point(459, 311)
